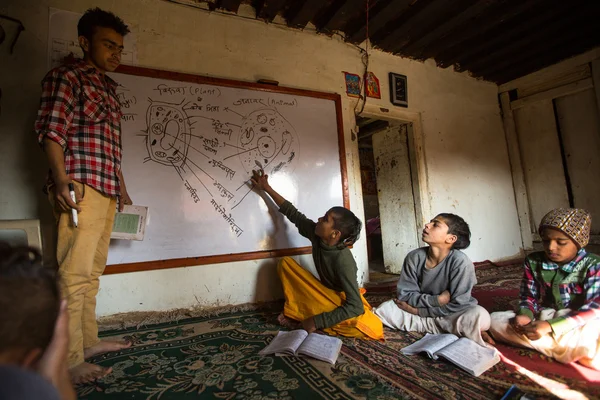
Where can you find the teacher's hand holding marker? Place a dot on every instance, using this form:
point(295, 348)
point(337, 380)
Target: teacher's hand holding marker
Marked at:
point(67, 197)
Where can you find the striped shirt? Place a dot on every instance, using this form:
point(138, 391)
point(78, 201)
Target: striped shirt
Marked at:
point(80, 111)
point(574, 285)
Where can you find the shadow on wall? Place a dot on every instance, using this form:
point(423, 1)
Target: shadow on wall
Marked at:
point(24, 165)
point(268, 285)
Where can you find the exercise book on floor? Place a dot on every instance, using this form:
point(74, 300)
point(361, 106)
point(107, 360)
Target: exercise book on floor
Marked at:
point(299, 342)
point(463, 352)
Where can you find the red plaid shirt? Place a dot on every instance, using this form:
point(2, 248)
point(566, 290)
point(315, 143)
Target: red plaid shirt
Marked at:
point(80, 111)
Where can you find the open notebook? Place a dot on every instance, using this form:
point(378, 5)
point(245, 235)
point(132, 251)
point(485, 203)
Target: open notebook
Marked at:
point(299, 342)
point(463, 352)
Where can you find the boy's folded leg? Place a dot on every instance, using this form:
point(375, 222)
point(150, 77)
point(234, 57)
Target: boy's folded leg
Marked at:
point(393, 317)
point(468, 323)
point(581, 344)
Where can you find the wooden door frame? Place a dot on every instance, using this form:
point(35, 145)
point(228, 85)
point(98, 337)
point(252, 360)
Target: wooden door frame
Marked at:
point(416, 151)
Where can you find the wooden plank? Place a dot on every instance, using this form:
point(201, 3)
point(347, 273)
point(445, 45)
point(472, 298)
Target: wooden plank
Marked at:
point(539, 62)
point(537, 86)
point(542, 165)
point(371, 129)
point(538, 39)
point(494, 17)
point(578, 119)
point(349, 10)
point(378, 21)
point(230, 5)
point(195, 261)
point(551, 72)
point(451, 24)
point(518, 176)
point(552, 94)
point(270, 9)
point(424, 17)
point(303, 14)
point(488, 42)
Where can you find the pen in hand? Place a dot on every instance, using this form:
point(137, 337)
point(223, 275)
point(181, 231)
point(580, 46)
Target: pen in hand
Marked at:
point(73, 211)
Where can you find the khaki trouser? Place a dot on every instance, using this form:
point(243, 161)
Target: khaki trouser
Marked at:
point(81, 254)
point(468, 323)
point(580, 344)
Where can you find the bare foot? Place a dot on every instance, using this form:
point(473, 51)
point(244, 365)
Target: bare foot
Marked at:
point(487, 338)
point(288, 322)
point(104, 346)
point(86, 372)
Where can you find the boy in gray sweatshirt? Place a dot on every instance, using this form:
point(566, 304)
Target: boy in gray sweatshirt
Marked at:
point(434, 290)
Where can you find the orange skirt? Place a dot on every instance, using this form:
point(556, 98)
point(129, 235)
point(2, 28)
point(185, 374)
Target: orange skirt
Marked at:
point(306, 296)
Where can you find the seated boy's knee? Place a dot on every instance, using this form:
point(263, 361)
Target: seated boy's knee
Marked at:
point(482, 315)
point(500, 320)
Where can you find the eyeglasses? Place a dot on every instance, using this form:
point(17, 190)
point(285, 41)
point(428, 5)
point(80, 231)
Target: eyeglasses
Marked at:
point(113, 47)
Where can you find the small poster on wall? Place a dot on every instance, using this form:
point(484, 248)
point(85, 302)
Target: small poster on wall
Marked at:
point(372, 85)
point(352, 84)
point(398, 90)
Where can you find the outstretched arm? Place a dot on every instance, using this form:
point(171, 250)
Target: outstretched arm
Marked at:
point(261, 182)
point(306, 227)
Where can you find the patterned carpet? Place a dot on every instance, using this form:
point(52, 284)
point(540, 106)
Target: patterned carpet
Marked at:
point(216, 357)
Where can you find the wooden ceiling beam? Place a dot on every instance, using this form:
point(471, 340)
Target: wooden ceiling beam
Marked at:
point(372, 128)
point(230, 5)
point(269, 9)
point(498, 38)
point(535, 40)
point(535, 62)
point(303, 12)
point(451, 24)
point(348, 11)
point(378, 21)
point(494, 16)
point(541, 48)
point(428, 14)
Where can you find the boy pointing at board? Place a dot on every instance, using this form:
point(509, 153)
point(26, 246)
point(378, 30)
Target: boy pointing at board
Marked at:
point(79, 128)
point(334, 302)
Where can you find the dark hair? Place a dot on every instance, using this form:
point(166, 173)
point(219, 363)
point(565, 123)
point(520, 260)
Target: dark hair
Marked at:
point(29, 299)
point(94, 18)
point(347, 223)
point(457, 226)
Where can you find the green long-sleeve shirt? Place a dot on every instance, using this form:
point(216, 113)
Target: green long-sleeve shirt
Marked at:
point(336, 267)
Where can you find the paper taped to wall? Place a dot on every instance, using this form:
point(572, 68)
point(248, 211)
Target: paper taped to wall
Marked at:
point(130, 224)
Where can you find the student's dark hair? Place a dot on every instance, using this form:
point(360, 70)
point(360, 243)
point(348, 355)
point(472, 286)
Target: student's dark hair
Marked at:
point(29, 299)
point(347, 223)
point(457, 226)
point(94, 18)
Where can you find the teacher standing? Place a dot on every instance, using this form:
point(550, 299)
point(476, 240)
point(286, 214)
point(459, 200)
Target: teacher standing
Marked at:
point(79, 128)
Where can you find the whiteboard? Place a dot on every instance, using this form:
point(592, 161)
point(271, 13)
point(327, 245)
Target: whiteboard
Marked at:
point(189, 147)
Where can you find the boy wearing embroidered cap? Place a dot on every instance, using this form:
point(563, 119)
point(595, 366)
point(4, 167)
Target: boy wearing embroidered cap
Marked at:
point(559, 312)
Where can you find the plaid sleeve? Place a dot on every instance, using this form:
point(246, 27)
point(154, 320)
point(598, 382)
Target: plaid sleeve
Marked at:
point(589, 311)
point(530, 292)
point(56, 107)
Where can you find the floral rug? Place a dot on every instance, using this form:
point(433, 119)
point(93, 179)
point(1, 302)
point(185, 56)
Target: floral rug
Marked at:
point(216, 358)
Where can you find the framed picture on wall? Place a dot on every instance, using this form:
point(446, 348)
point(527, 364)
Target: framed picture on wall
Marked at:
point(398, 90)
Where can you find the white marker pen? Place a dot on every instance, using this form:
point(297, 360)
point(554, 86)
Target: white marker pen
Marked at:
point(73, 211)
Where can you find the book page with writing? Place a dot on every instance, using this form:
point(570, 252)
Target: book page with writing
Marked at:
point(321, 347)
point(430, 344)
point(285, 342)
point(470, 356)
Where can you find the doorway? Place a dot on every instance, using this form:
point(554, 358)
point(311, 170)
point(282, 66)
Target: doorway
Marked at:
point(388, 184)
